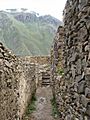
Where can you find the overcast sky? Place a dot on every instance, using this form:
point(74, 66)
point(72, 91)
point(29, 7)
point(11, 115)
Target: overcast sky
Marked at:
point(52, 7)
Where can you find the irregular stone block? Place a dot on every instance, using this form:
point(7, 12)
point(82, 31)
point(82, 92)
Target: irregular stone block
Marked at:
point(87, 92)
point(88, 110)
point(74, 57)
point(81, 87)
point(84, 101)
point(73, 71)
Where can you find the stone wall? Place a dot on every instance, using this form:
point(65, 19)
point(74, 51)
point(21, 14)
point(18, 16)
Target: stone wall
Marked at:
point(57, 65)
point(38, 59)
point(74, 89)
point(42, 63)
point(17, 83)
point(27, 84)
point(8, 85)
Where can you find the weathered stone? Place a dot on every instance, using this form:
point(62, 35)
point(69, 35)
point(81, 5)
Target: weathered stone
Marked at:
point(78, 78)
point(87, 92)
point(87, 74)
point(1, 55)
point(76, 119)
point(68, 117)
point(87, 48)
point(89, 56)
point(79, 66)
point(73, 58)
point(17, 84)
point(81, 87)
point(76, 62)
point(84, 101)
point(85, 118)
point(88, 110)
point(73, 71)
point(87, 71)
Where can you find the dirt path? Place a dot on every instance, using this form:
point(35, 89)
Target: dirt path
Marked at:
point(43, 105)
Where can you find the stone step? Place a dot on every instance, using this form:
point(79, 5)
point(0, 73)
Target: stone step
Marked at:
point(45, 83)
point(45, 76)
point(45, 79)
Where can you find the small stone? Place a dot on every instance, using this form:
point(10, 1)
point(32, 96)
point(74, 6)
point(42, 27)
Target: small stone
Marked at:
point(73, 58)
point(85, 118)
point(87, 74)
point(87, 71)
point(78, 78)
point(83, 100)
point(1, 55)
point(79, 66)
point(7, 64)
point(73, 71)
point(87, 48)
point(89, 56)
point(81, 87)
point(76, 119)
point(68, 117)
point(88, 110)
point(87, 92)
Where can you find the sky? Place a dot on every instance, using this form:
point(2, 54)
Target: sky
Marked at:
point(43, 7)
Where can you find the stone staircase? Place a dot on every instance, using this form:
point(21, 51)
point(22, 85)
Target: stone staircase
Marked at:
point(45, 78)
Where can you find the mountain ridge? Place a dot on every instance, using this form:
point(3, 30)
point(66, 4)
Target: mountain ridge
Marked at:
point(27, 34)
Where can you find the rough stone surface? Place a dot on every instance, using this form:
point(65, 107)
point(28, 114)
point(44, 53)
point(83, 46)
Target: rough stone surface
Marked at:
point(17, 83)
point(41, 60)
point(19, 78)
point(72, 91)
point(57, 65)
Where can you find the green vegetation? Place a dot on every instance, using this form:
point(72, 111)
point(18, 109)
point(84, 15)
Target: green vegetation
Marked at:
point(33, 37)
point(31, 106)
point(60, 71)
point(55, 112)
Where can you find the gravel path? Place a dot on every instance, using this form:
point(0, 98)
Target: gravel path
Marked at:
point(43, 105)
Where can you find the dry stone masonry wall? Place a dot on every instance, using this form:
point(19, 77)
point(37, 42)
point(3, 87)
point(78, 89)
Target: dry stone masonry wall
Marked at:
point(41, 60)
point(17, 84)
point(42, 64)
point(77, 57)
point(57, 61)
point(27, 84)
point(19, 78)
point(73, 96)
point(8, 85)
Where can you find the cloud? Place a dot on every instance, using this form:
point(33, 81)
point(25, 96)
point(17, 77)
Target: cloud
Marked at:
point(53, 7)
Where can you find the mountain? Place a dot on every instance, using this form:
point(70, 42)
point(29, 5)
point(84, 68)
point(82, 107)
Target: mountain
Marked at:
point(27, 33)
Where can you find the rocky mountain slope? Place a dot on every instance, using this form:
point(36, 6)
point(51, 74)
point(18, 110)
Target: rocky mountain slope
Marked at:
point(27, 33)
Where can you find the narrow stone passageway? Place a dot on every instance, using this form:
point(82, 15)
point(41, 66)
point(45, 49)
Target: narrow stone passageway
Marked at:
point(54, 86)
point(43, 105)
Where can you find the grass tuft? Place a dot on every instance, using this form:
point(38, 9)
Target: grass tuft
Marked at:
point(31, 106)
point(55, 112)
point(60, 71)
